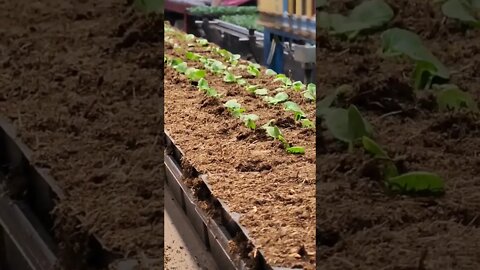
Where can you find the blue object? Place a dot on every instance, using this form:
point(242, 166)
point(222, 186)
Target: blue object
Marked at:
point(269, 35)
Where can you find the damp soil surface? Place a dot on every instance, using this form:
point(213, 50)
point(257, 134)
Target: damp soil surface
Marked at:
point(273, 191)
point(360, 225)
point(80, 80)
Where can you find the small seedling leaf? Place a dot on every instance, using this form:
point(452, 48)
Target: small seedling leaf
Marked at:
point(417, 182)
point(451, 97)
point(270, 72)
point(278, 98)
point(460, 10)
point(296, 150)
point(372, 147)
point(261, 92)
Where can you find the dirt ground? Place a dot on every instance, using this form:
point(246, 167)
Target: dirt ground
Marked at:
point(272, 190)
point(81, 82)
point(359, 224)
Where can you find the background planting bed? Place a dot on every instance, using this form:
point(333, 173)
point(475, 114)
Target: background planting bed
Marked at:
point(215, 231)
point(28, 196)
point(362, 223)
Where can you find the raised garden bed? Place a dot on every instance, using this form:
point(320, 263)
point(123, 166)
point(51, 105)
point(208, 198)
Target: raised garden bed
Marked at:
point(366, 217)
point(216, 119)
point(80, 85)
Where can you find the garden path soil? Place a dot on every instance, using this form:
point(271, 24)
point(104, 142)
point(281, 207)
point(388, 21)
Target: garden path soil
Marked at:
point(81, 82)
point(272, 190)
point(361, 226)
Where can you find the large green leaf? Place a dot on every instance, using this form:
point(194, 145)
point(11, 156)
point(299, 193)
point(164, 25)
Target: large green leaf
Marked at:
point(417, 182)
point(367, 15)
point(398, 41)
point(336, 121)
point(463, 10)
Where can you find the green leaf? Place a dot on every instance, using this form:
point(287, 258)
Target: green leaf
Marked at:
point(195, 74)
point(296, 150)
point(356, 124)
point(372, 147)
point(270, 72)
point(202, 84)
point(278, 98)
point(293, 107)
point(461, 10)
point(311, 92)
point(252, 70)
point(203, 42)
point(397, 41)
point(241, 81)
point(298, 86)
point(249, 120)
point(390, 170)
point(417, 182)
point(229, 78)
point(347, 125)
point(336, 121)
point(369, 14)
point(306, 123)
point(232, 104)
point(451, 97)
point(261, 92)
point(192, 56)
point(181, 67)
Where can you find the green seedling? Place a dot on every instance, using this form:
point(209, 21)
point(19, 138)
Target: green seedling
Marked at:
point(253, 69)
point(298, 86)
point(284, 79)
point(409, 182)
point(297, 111)
point(466, 11)
point(179, 66)
point(368, 15)
point(241, 82)
point(307, 123)
point(194, 74)
point(311, 92)
point(390, 170)
point(234, 108)
point(203, 86)
point(189, 37)
point(450, 97)
point(216, 66)
point(249, 120)
point(202, 42)
point(230, 78)
point(255, 90)
point(347, 125)
point(270, 72)
point(278, 98)
point(192, 56)
point(274, 132)
point(397, 42)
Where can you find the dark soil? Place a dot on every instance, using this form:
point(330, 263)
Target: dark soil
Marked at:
point(360, 225)
point(272, 190)
point(80, 80)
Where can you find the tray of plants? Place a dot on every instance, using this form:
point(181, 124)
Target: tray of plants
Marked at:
point(243, 139)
